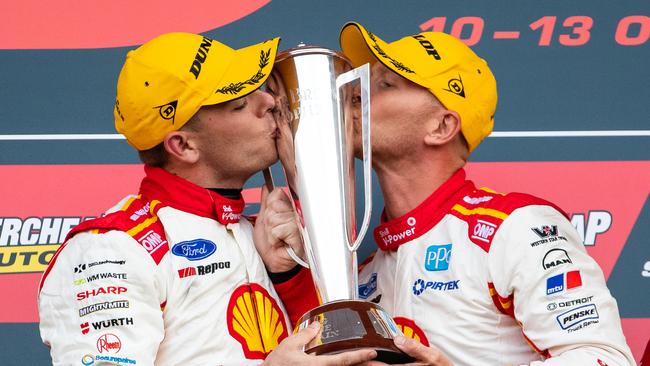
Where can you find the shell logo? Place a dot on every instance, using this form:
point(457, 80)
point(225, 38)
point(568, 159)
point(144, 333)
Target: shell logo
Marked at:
point(255, 320)
point(411, 330)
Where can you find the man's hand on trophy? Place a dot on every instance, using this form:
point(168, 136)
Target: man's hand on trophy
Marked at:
point(425, 356)
point(275, 229)
point(290, 352)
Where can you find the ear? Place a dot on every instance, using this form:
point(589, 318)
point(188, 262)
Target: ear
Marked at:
point(445, 127)
point(181, 146)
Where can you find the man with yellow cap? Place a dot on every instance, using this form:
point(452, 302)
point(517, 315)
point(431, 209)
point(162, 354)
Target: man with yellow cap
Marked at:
point(488, 278)
point(471, 276)
point(171, 276)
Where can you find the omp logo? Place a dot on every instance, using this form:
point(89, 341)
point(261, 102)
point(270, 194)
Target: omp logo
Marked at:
point(428, 47)
point(200, 57)
point(194, 250)
point(555, 257)
point(483, 231)
point(115, 290)
point(419, 286)
point(437, 257)
point(28, 245)
point(108, 343)
point(575, 317)
point(151, 241)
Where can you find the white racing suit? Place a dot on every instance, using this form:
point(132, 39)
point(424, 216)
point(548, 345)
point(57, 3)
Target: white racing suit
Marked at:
point(494, 279)
point(170, 277)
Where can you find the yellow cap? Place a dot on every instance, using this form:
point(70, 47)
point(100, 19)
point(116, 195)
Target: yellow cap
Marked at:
point(444, 65)
point(164, 82)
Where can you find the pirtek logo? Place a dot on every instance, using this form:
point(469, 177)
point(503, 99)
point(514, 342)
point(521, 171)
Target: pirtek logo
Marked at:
point(200, 57)
point(101, 291)
point(427, 46)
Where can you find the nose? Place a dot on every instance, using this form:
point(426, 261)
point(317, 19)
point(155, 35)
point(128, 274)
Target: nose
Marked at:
point(266, 102)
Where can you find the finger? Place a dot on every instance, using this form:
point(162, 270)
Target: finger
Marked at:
point(350, 358)
point(422, 353)
point(264, 194)
point(304, 336)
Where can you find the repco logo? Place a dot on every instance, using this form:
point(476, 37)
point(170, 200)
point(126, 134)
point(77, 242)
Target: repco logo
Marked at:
point(427, 46)
point(200, 57)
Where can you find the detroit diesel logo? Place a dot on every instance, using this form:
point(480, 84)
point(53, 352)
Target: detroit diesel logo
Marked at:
point(168, 111)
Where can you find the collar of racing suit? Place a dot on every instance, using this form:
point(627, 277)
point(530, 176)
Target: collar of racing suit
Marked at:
point(389, 235)
point(181, 194)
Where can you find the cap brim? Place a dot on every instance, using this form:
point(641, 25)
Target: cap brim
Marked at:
point(362, 46)
point(249, 68)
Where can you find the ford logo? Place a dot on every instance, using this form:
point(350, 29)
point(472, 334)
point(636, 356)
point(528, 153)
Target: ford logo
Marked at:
point(194, 250)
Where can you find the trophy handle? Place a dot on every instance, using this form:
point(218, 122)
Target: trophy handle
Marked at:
point(363, 73)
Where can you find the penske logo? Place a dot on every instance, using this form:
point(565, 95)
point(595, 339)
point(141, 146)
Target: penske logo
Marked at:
point(255, 320)
point(28, 245)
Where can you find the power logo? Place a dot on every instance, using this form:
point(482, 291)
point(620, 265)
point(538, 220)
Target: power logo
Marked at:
point(438, 257)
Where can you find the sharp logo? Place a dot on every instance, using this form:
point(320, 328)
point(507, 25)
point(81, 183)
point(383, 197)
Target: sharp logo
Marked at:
point(428, 47)
point(115, 290)
point(554, 258)
point(200, 57)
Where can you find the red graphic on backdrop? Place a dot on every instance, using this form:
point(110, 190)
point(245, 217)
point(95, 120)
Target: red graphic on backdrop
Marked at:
point(57, 24)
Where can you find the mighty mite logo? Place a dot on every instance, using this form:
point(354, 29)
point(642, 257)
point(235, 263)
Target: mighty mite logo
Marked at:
point(28, 244)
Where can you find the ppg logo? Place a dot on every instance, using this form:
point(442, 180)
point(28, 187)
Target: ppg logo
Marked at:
point(437, 257)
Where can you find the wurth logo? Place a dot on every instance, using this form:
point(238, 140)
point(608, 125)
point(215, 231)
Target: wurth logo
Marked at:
point(119, 322)
point(84, 328)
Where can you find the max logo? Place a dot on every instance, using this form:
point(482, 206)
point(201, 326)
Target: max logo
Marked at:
point(427, 46)
point(168, 111)
point(195, 250)
point(200, 57)
point(456, 86)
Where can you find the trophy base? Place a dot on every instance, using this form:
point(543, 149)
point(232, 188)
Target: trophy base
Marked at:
point(348, 325)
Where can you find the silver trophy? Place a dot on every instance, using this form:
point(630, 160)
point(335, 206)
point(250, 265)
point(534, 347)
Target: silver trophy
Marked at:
point(317, 114)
